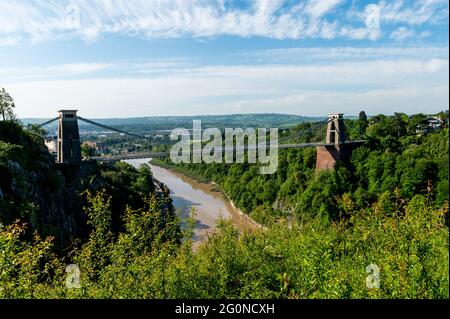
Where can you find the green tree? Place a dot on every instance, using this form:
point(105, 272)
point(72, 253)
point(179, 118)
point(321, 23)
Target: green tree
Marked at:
point(363, 123)
point(36, 132)
point(6, 106)
point(400, 121)
point(87, 150)
point(417, 121)
point(96, 252)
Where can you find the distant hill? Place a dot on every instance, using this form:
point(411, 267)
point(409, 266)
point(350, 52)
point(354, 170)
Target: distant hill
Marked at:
point(142, 124)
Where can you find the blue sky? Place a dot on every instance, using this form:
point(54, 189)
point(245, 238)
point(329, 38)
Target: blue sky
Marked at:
point(116, 58)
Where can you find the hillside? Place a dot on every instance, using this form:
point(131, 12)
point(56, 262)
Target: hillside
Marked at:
point(49, 198)
point(388, 168)
point(146, 124)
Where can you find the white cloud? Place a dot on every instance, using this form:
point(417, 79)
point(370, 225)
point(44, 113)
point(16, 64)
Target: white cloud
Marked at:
point(279, 19)
point(349, 54)
point(354, 72)
point(55, 71)
point(9, 41)
point(276, 60)
point(414, 12)
point(318, 8)
point(380, 86)
point(403, 33)
point(409, 12)
point(360, 33)
point(386, 101)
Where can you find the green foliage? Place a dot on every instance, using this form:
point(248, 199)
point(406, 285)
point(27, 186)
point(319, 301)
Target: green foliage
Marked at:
point(387, 206)
point(391, 159)
point(6, 106)
point(36, 191)
point(6, 150)
point(151, 231)
point(357, 129)
point(27, 177)
point(309, 259)
point(37, 133)
point(96, 252)
point(87, 151)
point(125, 185)
point(417, 121)
point(28, 269)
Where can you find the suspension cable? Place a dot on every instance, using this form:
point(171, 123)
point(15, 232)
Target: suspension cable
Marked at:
point(49, 121)
point(111, 128)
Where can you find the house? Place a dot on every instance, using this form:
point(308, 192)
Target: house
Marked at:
point(432, 124)
point(435, 123)
point(99, 146)
point(51, 143)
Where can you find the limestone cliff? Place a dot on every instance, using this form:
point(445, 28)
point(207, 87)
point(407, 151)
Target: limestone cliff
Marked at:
point(49, 197)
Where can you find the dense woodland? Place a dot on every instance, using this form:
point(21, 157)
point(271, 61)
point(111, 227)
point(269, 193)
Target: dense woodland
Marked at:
point(394, 165)
point(387, 206)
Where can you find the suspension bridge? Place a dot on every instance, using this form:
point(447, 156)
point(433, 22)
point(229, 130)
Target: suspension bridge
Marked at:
point(335, 147)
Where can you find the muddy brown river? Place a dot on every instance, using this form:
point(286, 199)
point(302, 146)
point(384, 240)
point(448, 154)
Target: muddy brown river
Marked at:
point(187, 194)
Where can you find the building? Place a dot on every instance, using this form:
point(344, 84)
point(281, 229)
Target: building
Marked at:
point(51, 142)
point(435, 123)
point(432, 124)
point(99, 146)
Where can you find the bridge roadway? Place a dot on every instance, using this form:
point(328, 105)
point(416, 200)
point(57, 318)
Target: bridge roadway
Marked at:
point(140, 155)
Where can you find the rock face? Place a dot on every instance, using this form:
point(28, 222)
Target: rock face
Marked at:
point(33, 190)
point(47, 196)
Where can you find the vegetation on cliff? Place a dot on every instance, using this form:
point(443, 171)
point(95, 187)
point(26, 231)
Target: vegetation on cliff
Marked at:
point(395, 164)
point(50, 198)
point(30, 187)
point(310, 258)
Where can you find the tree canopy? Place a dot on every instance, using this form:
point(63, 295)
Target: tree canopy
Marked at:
point(6, 106)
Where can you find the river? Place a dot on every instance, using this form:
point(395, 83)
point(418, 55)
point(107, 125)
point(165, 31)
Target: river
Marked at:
point(186, 193)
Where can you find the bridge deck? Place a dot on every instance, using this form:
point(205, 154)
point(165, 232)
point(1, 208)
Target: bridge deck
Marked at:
point(140, 155)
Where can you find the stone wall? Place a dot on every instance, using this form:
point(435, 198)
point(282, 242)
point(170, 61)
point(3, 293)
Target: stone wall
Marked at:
point(328, 156)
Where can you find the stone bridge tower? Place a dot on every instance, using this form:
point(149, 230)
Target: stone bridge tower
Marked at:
point(335, 129)
point(69, 149)
point(336, 148)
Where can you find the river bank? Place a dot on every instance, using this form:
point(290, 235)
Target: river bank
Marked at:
point(244, 218)
point(209, 203)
